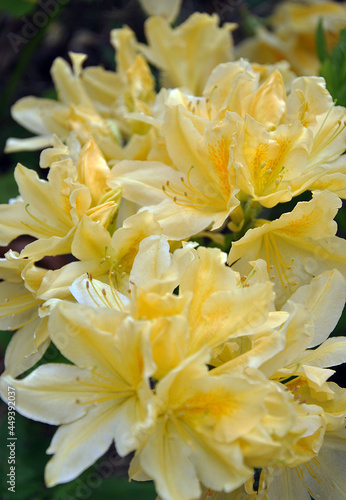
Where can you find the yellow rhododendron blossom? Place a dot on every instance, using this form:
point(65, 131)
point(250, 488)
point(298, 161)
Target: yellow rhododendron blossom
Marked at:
point(168, 9)
point(51, 210)
point(19, 310)
point(199, 430)
point(198, 192)
point(92, 102)
point(304, 373)
point(244, 138)
point(102, 256)
point(106, 396)
point(297, 246)
point(293, 35)
point(212, 366)
point(188, 53)
point(74, 112)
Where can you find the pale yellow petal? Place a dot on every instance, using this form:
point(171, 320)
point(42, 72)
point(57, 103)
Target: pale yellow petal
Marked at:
point(80, 444)
point(49, 393)
point(22, 353)
point(167, 9)
point(325, 297)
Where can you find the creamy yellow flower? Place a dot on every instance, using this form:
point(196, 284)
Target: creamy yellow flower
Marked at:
point(244, 138)
point(285, 151)
point(267, 163)
point(198, 192)
point(321, 477)
point(293, 35)
point(74, 112)
point(19, 310)
point(297, 246)
point(51, 210)
point(311, 104)
point(213, 304)
point(91, 102)
point(105, 257)
point(197, 436)
point(168, 9)
point(212, 307)
point(187, 54)
point(105, 397)
point(289, 359)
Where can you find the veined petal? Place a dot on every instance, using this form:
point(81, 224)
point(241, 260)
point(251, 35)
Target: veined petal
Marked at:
point(80, 444)
point(18, 306)
point(325, 297)
point(22, 353)
point(284, 484)
point(90, 240)
point(168, 462)
point(297, 246)
point(142, 181)
point(84, 335)
point(31, 144)
point(152, 260)
point(93, 170)
point(49, 393)
point(25, 112)
point(331, 352)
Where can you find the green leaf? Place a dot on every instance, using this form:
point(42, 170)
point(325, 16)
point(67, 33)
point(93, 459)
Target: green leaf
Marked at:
point(8, 187)
point(18, 8)
point(333, 69)
point(321, 44)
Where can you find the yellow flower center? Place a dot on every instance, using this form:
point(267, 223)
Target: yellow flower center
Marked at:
point(268, 171)
point(218, 154)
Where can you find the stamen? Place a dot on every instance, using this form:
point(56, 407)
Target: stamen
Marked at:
point(111, 381)
point(114, 291)
point(325, 119)
point(104, 399)
point(271, 250)
point(48, 230)
point(311, 472)
point(338, 153)
point(245, 279)
point(210, 494)
point(299, 472)
point(25, 322)
point(13, 308)
point(190, 196)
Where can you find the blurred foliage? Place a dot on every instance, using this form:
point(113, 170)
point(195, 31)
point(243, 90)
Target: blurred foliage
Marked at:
point(19, 7)
point(333, 67)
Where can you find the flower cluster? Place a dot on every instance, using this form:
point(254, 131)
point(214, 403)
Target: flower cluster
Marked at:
point(210, 363)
